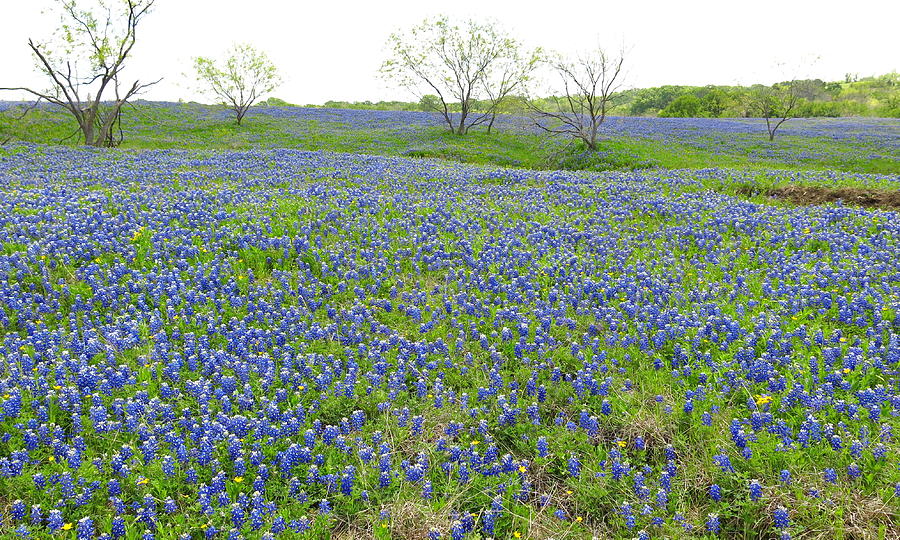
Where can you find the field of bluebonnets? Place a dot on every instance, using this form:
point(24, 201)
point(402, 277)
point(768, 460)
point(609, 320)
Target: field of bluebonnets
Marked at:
point(279, 343)
point(868, 145)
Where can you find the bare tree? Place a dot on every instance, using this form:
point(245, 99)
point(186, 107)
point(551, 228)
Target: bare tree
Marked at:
point(589, 84)
point(459, 65)
point(244, 76)
point(509, 75)
point(776, 103)
point(87, 58)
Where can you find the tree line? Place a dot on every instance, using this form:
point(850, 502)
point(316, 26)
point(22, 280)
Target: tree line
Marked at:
point(876, 96)
point(467, 72)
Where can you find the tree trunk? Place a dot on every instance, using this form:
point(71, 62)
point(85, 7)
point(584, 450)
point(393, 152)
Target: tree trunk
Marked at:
point(105, 134)
point(491, 123)
point(87, 126)
point(461, 130)
point(592, 143)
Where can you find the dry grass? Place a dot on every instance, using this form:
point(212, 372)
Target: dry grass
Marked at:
point(409, 520)
point(644, 423)
point(860, 518)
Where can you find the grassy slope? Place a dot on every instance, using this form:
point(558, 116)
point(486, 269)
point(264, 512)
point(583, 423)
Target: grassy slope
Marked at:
point(192, 127)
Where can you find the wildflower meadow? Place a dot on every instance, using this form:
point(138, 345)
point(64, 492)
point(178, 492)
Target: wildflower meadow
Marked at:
point(280, 343)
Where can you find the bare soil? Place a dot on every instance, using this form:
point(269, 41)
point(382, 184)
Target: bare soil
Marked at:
point(849, 196)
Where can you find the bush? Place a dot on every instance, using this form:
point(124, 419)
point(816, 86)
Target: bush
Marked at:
point(809, 109)
point(684, 106)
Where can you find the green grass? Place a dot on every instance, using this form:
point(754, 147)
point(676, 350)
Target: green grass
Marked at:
point(150, 126)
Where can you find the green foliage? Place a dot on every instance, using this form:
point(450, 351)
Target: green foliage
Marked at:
point(684, 106)
point(870, 96)
point(651, 100)
point(449, 64)
point(715, 102)
point(275, 102)
point(245, 75)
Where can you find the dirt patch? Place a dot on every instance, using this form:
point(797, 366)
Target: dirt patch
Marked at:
point(409, 519)
point(885, 199)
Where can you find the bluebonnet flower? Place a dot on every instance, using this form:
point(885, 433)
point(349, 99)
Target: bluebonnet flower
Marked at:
point(118, 527)
point(55, 520)
point(85, 528)
point(18, 510)
point(574, 466)
point(780, 516)
point(756, 490)
point(723, 462)
point(785, 476)
point(543, 447)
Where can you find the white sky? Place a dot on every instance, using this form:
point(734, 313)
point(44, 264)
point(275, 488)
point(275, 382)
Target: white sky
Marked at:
point(332, 49)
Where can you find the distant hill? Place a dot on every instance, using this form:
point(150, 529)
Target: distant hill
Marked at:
point(877, 96)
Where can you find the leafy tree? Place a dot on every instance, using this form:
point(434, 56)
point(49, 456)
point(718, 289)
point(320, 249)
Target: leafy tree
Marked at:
point(654, 99)
point(86, 58)
point(714, 102)
point(245, 75)
point(429, 102)
point(589, 84)
point(450, 65)
point(684, 106)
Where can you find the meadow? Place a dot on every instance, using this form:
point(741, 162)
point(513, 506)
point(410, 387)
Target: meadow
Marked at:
point(863, 145)
point(350, 324)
